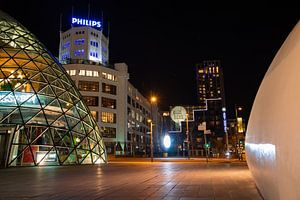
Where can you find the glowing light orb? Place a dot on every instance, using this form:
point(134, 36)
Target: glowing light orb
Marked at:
point(167, 141)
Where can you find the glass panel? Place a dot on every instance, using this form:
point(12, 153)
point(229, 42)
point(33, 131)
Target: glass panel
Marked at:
point(67, 155)
point(81, 154)
point(79, 128)
point(13, 118)
point(20, 137)
point(61, 122)
point(38, 86)
point(88, 159)
point(72, 121)
point(47, 91)
point(95, 157)
point(4, 112)
point(51, 116)
point(28, 113)
point(21, 156)
point(46, 156)
point(38, 119)
point(77, 138)
point(62, 138)
point(84, 144)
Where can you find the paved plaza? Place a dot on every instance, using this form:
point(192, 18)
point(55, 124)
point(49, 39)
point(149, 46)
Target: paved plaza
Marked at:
point(163, 179)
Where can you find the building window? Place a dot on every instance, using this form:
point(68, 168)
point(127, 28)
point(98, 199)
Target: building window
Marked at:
point(108, 117)
point(88, 86)
point(89, 73)
point(81, 72)
point(128, 99)
point(109, 132)
point(66, 45)
point(91, 100)
point(96, 74)
point(94, 115)
point(109, 76)
point(79, 42)
point(72, 72)
point(110, 89)
point(108, 103)
point(79, 52)
point(65, 55)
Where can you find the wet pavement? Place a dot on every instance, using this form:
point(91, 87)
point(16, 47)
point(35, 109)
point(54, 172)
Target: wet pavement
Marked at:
point(163, 179)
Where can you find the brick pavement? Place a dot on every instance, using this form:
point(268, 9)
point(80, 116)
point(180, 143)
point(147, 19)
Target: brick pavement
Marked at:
point(134, 180)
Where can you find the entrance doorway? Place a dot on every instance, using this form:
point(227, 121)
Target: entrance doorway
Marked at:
point(3, 148)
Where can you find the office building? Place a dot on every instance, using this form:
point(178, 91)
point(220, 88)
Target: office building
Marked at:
point(119, 108)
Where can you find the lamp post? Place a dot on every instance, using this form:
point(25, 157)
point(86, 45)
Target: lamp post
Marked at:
point(153, 100)
point(151, 139)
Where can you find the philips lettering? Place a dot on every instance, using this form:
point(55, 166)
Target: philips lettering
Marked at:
point(86, 22)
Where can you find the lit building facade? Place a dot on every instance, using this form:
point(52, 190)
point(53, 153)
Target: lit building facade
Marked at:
point(83, 44)
point(119, 108)
point(211, 94)
point(43, 119)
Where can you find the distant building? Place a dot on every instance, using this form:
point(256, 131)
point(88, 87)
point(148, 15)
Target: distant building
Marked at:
point(211, 95)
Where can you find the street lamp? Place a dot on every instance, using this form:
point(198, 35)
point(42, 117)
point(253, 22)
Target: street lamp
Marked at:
point(151, 139)
point(153, 99)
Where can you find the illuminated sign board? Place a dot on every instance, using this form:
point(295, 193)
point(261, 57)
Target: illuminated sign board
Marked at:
point(17, 96)
point(86, 22)
point(178, 114)
point(224, 119)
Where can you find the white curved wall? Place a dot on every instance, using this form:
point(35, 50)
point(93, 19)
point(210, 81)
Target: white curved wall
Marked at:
point(273, 134)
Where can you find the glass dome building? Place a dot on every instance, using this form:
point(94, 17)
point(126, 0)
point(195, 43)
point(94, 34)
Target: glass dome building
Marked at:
point(43, 120)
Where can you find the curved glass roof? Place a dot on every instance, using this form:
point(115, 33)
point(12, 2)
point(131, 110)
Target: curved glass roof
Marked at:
point(41, 110)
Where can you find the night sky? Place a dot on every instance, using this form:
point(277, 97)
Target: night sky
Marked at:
point(162, 42)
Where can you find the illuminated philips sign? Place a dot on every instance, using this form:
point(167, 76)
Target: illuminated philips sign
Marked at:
point(86, 22)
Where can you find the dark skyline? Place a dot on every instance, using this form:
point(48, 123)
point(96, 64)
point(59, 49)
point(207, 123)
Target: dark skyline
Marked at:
point(161, 43)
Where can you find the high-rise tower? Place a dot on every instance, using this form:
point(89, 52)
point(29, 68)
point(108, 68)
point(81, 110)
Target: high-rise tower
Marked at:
point(211, 94)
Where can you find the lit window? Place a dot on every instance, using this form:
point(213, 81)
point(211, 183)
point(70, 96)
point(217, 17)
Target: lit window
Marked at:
point(66, 45)
point(109, 76)
point(68, 71)
point(91, 100)
point(95, 115)
point(79, 52)
point(81, 72)
point(89, 73)
point(72, 72)
point(96, 74)
point(88, 86)
point(79, 41)
point(108, 103)
point(108, 117)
